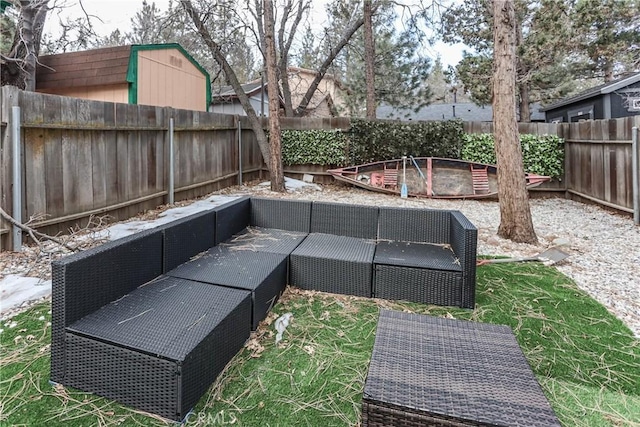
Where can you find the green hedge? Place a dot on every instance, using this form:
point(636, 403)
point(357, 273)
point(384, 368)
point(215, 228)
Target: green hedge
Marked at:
point(541, 154)
point(374, 140)
point(314, 147)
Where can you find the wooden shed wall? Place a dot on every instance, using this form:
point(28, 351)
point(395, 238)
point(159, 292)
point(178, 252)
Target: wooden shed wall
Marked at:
point(167, 78)
point(109, 93)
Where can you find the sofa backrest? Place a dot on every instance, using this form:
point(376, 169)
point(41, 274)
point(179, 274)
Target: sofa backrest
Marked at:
point(414, 225)
point(187, 237)
point(232, 218)
point(283, 214)
point(345, 220)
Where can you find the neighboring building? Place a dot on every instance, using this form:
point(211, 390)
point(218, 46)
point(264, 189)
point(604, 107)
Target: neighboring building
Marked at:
point(618, 98)
point(159, 74)
point(225, 100)
point(322, 104)
point(327, 100)
point(465, 111)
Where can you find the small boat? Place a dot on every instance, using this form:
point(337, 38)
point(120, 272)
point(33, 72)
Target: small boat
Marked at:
point(430, 177)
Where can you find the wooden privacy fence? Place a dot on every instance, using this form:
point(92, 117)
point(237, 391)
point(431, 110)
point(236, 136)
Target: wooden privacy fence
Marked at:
point(79, 158)
point(598, 158)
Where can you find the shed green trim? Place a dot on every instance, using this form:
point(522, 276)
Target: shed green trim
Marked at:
point(132, 71)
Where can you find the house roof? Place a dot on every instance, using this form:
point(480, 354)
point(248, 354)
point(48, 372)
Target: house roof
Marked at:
point(226, 92)
point(595, 91)
point(464, 111)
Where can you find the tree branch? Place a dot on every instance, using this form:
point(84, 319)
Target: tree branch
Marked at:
point(34, 234)
point(349, 32)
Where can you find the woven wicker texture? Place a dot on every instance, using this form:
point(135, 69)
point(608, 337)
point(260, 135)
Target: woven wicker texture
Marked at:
point(160, 347)
point(263, 273)
point(292, 215)
point(464, 241)
point(232, 218)
point(344, 220)
point(337, 264)
point(456, 370)
point(85, 281)
point(259, 239)
point(167, 317)
point(414, 225)
point(439, 287)
point(135, 379)
point(421, 255)
point(188, 237)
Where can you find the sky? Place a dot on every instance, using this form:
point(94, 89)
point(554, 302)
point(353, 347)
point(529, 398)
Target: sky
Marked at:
point(117, 14)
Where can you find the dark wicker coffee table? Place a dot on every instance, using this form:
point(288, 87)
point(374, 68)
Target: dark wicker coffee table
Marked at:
point(428, 371)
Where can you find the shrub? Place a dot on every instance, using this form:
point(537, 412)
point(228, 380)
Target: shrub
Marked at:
point(374, 140)
point(314, 147)
point(541, 154)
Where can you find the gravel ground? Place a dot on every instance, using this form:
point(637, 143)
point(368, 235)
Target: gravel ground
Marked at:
point(604, 247)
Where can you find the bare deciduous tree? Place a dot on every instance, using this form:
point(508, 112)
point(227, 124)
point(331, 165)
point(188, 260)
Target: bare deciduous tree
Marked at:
point(218, 56)
point(515, 213)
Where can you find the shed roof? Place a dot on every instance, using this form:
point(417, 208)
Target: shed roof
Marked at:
point(596, 90)
point(94, 67)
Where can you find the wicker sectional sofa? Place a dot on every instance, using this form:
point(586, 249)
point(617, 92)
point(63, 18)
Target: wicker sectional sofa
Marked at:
point(151, 319)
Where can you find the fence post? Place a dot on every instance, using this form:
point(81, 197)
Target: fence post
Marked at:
point(239, 150)
point(171, 189)
point(636, 178)
point(17, 177)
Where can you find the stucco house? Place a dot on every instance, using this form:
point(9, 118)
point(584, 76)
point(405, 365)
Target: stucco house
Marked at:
point(158, 74)
point(326, 101)
point(618, 98)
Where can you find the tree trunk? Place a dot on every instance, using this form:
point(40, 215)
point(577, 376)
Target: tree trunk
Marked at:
point(256, 123)
point(20, 68)
point(275, 167)
point(369, 58)
point(515, 214)
point(525, 111)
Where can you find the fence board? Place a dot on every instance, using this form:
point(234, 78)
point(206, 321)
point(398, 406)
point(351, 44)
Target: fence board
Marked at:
point(98, 169)
point(53, 173)
point(597, 172)
point(34, 172)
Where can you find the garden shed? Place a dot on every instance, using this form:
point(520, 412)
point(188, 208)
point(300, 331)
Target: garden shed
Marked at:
point(612, 100)
point(163, 75)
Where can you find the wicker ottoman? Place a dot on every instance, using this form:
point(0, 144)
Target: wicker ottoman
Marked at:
point(337, 264)
point(428, 371)
point(160, 347)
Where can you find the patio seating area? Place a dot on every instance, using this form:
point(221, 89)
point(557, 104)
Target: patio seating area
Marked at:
point(151, 320)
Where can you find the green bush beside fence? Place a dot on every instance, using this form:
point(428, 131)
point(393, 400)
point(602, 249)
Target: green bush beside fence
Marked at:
point(373, 140)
